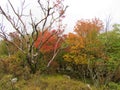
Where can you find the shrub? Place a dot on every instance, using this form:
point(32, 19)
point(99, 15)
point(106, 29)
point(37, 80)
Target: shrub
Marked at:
point(11, 65)
point(114, 86)
point(3, 49)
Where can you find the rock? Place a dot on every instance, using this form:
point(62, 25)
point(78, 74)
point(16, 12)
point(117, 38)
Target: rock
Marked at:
point(66, 76)
point(14, 80)
point(88, 86)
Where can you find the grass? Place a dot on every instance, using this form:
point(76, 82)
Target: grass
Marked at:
point(45, 82)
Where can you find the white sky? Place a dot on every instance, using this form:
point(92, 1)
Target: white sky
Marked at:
point(86, 9)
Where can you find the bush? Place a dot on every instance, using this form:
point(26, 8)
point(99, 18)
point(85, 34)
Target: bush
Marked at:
point(6, 84)
point(3, 49)
point(11, 65)
point(114, 86)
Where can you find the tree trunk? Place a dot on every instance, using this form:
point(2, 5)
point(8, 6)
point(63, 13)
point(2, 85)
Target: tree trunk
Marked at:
point(31, 65)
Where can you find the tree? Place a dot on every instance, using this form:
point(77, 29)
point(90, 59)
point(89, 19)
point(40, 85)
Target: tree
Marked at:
point(111, 41)
point(86, 50)
point(52, 46)
point(84, 43)
point(27, 32)
point(51, 39)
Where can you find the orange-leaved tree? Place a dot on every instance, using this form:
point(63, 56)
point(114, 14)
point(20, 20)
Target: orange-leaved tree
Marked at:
point(84, 43)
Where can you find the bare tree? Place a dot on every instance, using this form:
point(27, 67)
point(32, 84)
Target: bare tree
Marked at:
point(51, 12)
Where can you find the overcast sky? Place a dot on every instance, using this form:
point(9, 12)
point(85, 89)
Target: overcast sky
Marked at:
point(86, 9)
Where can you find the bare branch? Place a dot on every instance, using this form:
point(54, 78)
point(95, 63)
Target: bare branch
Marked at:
point(42, 8)
point(55, 54)
point(19, 16)
point(11, 21)
point(56, 51)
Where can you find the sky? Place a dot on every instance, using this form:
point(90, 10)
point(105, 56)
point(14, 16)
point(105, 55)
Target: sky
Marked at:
point(88, 9)
point(85, 9)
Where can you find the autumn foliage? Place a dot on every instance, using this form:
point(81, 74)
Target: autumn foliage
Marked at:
point(49, 41)
point(85, 27)
point(84, 44)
